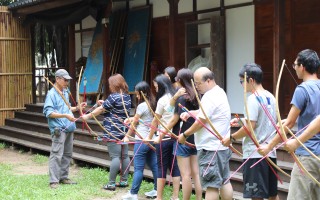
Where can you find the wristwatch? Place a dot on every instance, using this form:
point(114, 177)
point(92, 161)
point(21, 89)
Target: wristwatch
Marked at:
point(184, 135)
point(232, 138)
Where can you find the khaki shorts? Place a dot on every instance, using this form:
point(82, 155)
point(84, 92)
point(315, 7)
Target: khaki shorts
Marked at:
point(218, 172)
point(301, 186)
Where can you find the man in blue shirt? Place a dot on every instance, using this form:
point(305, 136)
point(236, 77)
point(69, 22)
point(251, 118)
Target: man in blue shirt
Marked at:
point(305, 106)
point(62, 125)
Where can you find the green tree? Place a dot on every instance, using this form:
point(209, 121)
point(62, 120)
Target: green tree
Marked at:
point(5, 2)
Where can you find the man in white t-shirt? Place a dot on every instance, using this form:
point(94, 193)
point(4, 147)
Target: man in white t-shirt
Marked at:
point(260, 182)
point(216, 106)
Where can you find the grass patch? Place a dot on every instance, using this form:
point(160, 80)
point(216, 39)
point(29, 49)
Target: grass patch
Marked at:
point(2, 146)
point(36, 186)
point(40, 159)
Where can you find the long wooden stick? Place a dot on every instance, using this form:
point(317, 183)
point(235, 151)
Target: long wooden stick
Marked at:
point(253, 135)
point(59, 92)
point(209, 121)
point(132, 125)
point(160, 122)
point(284, 137)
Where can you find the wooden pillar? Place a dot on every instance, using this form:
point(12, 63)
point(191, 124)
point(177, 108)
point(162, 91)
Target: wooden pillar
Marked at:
point(72, 60)
point(33, 44)
point(106, 50)
point(173, 7)
point(278, 46)
point(278, 39)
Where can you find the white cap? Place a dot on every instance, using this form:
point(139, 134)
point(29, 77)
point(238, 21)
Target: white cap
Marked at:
point(63, 73)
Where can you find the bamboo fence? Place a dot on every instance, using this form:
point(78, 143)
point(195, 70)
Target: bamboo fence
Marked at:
point(15, 65)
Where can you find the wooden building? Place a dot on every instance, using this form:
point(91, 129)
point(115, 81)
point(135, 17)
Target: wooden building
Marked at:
point(229, 33)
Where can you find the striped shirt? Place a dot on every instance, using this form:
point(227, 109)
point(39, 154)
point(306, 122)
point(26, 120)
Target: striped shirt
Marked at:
point(113, 106)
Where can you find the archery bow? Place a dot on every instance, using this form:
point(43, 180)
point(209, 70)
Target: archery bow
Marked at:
point(131, 123)
point(217, 134)
point(80, 107)
point(59, 92)
point(156, 117)
point(282, 132)
point(253, 135)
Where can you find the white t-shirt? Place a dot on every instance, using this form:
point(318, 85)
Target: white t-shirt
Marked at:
point(216, 106)
point(264, 127)
point(146, 116)
point(162, 109)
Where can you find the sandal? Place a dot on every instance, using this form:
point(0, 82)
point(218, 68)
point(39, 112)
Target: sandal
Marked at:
point(122, 184)
point(111, 187)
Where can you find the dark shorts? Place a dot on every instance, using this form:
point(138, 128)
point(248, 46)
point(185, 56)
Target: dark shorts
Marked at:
point(218, 172)
point(259, 181)
point(165, 159)
point(185, 151)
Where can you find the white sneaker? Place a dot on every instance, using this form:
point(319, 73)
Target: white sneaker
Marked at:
point(151, 194)
point(130, 196)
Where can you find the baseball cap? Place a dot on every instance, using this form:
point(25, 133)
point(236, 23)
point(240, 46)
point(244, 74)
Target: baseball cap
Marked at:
point(63, 73)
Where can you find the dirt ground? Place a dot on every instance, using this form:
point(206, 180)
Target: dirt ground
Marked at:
point(23, 164)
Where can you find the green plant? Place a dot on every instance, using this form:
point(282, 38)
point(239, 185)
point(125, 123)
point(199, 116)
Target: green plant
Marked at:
point(3, 145)
point(40, 159)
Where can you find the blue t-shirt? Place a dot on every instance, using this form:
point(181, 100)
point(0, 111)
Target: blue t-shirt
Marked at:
point(113, 106)
point(306, 98)
point(55, 103)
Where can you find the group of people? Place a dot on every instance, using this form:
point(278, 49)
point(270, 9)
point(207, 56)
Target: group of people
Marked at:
point(172, 132)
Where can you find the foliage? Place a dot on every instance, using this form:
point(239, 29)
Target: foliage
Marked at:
point(2, 146)
point(5, 2)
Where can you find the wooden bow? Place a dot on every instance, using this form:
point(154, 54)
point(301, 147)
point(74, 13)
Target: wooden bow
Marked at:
point(160, 122)
point(80, 107)
point(59, 92)
point(251, 133)
point(217, 134)
point(282, 132)
point(103, 128)
point(131, 123)
point(129, 136)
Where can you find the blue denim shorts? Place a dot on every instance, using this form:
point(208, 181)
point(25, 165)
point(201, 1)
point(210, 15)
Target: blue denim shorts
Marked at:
point(185, 151)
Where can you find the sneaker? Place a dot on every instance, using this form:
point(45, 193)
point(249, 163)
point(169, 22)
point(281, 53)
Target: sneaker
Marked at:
point(151, 194)
point(111, 187)
point(67, 182)
point(54, 185)
point(130, 196)
point(122, 184)
point(171, 198)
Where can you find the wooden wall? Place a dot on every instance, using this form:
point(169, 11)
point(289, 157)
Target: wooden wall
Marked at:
point(15, 65)
point(159, 51)
point(301, 31)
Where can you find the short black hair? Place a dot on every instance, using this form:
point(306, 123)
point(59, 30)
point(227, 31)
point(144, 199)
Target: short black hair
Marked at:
point(253, 70)
point(309, 59)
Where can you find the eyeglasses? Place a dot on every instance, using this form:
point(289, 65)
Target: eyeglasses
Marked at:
point(65, 80)
point(197, 83)
point(294, 65)
point(241, 81)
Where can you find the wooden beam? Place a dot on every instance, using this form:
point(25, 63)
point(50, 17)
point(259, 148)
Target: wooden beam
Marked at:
point(106, 49)
point(72, 60)
point(173, 12)
point(42, 6)
point(278, 39)
point(226, 8)
point(33, 62)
